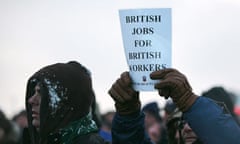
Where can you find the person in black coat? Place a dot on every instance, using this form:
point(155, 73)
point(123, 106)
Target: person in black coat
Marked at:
point(58, 104)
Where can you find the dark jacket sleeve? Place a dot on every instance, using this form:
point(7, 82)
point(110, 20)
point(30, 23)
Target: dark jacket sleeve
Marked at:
point(129, 130)
point(211, 124)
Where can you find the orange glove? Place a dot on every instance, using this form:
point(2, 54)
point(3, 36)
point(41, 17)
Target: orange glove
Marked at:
point(125, 97)
point(175, 85)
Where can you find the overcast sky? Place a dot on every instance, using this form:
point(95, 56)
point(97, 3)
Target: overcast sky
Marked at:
point(33, 34)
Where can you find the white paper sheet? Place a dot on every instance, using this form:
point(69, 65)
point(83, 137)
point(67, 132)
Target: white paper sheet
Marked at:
point(147, 40)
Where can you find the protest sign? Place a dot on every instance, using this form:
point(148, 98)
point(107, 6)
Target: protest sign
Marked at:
point(147, 42)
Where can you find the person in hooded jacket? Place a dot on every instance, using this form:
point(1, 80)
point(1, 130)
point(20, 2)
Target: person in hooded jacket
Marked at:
point(58, 101)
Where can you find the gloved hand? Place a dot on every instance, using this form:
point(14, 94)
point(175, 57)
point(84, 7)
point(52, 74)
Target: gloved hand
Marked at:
point(175, 85)
point(125, 97)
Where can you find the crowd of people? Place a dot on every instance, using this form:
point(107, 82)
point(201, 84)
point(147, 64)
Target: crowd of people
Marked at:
point(61, 108)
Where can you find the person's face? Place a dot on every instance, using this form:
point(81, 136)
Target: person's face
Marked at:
point(188, 135)
point(154, 132)
point(22, 121)
point(149, 120)
point(35, 102)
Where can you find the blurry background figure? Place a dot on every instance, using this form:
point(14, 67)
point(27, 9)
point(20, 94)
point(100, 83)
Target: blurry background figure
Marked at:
point(152, 115)
point(96, 115)
point(219, 94)
point(9, 132)
point(236, 100)
point(154, 123)
point(105, 130)
point(104, 122)
point(174, 128)
point(168, 109)
point(21, 121)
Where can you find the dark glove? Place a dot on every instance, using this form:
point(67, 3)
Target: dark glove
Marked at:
point(175, 85)
point(125, 97)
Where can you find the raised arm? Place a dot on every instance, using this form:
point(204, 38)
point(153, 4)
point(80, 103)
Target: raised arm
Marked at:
point(128, 123)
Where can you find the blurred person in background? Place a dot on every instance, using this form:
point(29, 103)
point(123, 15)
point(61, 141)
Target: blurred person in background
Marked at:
point(220, 94)
point(169, 108)
point(9, 132)
point(21, 120)
point(154, 123)
point(105, 130)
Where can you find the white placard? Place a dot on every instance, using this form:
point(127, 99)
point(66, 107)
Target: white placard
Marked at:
point(147, 40)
